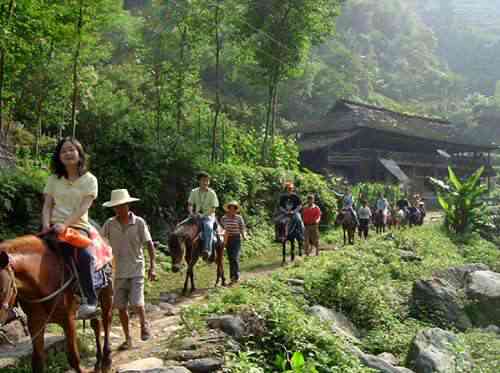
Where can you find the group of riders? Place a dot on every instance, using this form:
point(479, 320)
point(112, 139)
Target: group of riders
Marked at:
point(405, 212)
point(71, 190)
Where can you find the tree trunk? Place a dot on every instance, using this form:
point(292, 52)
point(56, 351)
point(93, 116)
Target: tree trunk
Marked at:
point(180, 80)
point(10, 11)
point(274, 112)
point(158, 101)
point(75, 68)
point(217, 85)
point(2, 69)
point(268, 121)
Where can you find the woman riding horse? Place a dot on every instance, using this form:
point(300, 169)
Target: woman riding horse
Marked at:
point(37, 276)
point(69, 193)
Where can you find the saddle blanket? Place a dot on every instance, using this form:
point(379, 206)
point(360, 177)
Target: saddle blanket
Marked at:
point(103, 253)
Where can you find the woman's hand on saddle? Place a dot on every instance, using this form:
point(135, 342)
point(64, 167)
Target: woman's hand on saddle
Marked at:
point(59, 228)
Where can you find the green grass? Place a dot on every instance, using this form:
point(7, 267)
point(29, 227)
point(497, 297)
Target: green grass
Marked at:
point(369, 282)
point(259, 254)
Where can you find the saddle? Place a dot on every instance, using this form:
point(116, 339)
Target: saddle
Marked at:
point(67, 245)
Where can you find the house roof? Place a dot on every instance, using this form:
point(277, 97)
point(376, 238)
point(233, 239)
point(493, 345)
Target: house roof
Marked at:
point(320, 141)
point(348, 115)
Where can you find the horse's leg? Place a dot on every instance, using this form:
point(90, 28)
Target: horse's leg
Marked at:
point(191, 273)
point(292, 250)
point(220, 265)
point(97, 326)
point(72, 343)
point(107, 317)
point(284, 253)
point(300, 244)
point(37, 328)
point(345, 235)
point(184, 290)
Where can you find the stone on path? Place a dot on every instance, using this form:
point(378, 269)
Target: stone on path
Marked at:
point(10, 356)
point(229, 324)
point(205, 365)
point(150, 365)
point(168, 298)
point(175, 370)
point(436, 350)
point(167, 308)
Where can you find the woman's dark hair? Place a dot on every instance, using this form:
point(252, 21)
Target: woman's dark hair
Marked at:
point(57, 166)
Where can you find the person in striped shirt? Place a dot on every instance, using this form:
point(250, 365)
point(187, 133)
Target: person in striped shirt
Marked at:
point(235, 231)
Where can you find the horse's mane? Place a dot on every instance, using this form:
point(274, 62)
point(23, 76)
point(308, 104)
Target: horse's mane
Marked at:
point(25, 244)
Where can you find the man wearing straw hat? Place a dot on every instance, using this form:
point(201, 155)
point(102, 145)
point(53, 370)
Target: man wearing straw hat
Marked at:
point(235, 231)
point(127, 234)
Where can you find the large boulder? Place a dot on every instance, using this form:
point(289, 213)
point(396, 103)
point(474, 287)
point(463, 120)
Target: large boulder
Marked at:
point(436, 350)
point(339, 323)
point(483, 290)
point(438, 301)
point(457, 276)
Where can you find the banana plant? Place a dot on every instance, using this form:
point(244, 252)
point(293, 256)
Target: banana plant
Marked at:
point(460, 200)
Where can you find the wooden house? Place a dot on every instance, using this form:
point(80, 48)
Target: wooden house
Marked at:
point(369, 143)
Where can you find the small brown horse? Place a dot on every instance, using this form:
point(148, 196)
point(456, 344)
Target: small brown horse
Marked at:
point(184, 243)
point(349, 224)
point(34, 275)
point(380, 221)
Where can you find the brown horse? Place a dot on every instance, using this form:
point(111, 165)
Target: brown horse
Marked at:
point(34, 276)
point(349, 224)
point(380, 221)
point(184, 243)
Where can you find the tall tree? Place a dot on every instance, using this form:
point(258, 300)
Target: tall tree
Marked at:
point(282, 33)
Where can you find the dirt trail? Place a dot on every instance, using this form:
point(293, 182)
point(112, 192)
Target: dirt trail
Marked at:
point(165, 324)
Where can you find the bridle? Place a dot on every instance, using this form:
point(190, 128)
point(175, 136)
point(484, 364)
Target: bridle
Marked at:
point(9, 303)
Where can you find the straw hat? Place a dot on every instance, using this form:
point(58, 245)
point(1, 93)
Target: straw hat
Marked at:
point(119, 197)
point(232, 203)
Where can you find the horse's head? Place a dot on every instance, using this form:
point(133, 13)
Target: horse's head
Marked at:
point(8, 289)
point(176, 249)
point(184, 234)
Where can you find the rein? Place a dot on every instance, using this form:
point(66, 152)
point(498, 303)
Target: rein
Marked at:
point(13, 289)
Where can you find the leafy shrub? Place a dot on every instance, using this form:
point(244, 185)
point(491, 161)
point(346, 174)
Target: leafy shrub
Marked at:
point(461, 200)
point(20, 200)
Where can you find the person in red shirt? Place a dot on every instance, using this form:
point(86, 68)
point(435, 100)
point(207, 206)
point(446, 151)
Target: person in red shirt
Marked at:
point(311, 216)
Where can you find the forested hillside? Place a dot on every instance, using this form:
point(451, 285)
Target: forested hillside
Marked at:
point(164, 87)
